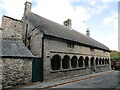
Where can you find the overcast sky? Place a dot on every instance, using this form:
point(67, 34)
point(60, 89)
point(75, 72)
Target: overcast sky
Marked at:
point(100, 16)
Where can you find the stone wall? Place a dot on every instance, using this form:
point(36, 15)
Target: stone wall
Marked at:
point(59, 47)
point(56, 75)
point(16, 71)
point(103, 68)
point(32, 38)
point(12, 28)
point(0, 59)
point(0, 73)
point(1, 32)
point(35, 45)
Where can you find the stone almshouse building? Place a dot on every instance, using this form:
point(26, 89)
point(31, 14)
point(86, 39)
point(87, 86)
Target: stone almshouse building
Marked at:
point(37, 49)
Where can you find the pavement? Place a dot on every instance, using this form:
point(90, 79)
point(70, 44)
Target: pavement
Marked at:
point(64, 81)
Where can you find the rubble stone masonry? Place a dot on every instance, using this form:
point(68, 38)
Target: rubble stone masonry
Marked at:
point(16, 71)
point(12, 28)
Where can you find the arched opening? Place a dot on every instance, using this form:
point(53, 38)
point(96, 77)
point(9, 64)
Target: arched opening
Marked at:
point(74, 62)
point(100, 61)
point(96, 61)
point(92, 61)
point(108, 61)
point(103, 61)
point(80, 61)
point(65, 62)
point(55, 62)
point(86, 61)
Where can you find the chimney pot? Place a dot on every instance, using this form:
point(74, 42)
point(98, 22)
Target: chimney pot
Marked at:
point(88, 32)
point(68, 23)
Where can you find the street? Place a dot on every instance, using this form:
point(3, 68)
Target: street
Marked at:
point(110, 81)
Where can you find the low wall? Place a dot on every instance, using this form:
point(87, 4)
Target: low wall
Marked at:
point(103, 68)
point(66, 73)
point(16, 71)
point(57, 74)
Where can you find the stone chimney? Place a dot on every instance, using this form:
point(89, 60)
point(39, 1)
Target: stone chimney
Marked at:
point(28, 7)
point(88, 32)
point(68, 23)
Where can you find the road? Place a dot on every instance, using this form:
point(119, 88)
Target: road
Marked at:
point(106, 81)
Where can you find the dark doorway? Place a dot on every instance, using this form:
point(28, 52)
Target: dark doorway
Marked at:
point(37, 70)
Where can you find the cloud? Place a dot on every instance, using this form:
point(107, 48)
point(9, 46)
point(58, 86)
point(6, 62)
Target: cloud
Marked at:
point(97, 8)
point(112, 23)
point(112, 20)
point(13, 8)
point(59, 11)
point(105, 1)
point(100, 8)
point(112, 41)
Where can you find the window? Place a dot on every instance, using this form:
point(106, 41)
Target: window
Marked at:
point(55, 62)
point(26, 32)
point(92, 49)
point(70, 45)
point(29, 41)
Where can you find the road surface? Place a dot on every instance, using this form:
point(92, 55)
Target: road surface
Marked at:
point(110, 81)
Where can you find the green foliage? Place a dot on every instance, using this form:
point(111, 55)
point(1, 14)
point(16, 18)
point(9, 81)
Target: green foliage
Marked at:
point(115, 55)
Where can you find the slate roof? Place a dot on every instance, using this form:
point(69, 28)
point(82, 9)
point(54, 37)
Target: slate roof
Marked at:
point(54, 29)
point(13, 48)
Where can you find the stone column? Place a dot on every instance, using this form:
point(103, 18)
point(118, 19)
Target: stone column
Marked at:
point(89, 63)
point(61, 65)
point(83, 63)
point(70, 64)
point(77, 64)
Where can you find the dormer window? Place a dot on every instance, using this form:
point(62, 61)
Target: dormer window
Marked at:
point(92, 49)
point(70, 45)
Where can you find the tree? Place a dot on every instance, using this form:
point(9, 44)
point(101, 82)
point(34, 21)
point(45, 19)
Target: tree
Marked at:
point(115, 55)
